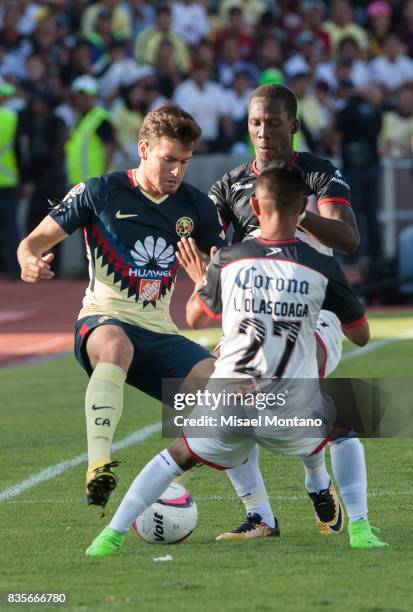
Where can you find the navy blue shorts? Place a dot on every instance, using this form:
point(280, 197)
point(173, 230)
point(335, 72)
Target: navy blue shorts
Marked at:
point(156, 355)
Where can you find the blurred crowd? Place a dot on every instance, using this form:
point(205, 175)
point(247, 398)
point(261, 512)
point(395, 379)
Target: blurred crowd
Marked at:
point(77, 78)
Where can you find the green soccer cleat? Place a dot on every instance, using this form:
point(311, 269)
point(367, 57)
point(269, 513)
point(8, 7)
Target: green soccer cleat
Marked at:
point(363, 535)
point(106, 543)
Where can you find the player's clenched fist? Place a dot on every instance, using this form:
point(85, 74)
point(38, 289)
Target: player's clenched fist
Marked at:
point(37, 268)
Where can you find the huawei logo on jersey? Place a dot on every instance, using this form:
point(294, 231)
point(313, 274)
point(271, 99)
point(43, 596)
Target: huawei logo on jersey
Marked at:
point(153, 253)
point(239, 186)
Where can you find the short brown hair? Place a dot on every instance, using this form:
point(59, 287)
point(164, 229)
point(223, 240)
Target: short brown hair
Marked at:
point(170, 121)
point(274, 91)
point(284, 182)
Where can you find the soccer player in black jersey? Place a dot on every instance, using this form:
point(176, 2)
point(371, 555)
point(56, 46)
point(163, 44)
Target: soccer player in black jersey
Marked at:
point(315, 281)
point(327, 223)
point(132, 222)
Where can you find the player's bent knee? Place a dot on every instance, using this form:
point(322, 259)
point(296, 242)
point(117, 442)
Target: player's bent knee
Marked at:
point(180, 453)
point(198, 376)
point(110, 346)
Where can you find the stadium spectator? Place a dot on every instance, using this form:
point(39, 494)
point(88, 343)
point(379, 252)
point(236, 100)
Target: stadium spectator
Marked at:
point(394, 68)
point(9, 181)
point(237, 29)
point(346, 65)
point(305, 59)
point(206, 102)
point(312, 14)
point(45, 40)
point(397, 132)
point(91, 144)
point(379, 14)
point(270, 54)
point(10, 38)
point(204, 52)
point(290, 20)
point(127, 117)
point(147, 43)
point(166, 68)
point(315, 121)
point(116, 70)
point(358, 126)
point(252, 10)
point(141, 15)
point(28, 14)
point(342, 25)
point(121, 25)
point(405, 27)
point(102, 35)
point(190, 20)
point(238, 96)
point(41, 136)
point(230, 62)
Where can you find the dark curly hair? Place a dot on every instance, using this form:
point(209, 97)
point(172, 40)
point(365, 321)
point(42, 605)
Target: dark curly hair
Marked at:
point(277, 92)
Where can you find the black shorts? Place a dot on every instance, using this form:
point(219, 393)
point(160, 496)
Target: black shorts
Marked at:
point(156, 356)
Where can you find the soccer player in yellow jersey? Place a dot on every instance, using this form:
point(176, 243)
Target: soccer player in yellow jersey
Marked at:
point(132, 222)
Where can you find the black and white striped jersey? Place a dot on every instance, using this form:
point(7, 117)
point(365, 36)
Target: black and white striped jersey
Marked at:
point(269, 294)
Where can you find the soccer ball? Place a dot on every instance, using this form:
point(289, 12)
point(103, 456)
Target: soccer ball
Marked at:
point(169, 520)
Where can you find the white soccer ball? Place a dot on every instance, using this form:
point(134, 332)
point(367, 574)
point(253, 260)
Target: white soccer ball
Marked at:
point(169, 520)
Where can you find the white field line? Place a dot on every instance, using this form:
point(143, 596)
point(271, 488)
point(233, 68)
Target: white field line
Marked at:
point(207, 498)
point(142, 434)
point(58, 468)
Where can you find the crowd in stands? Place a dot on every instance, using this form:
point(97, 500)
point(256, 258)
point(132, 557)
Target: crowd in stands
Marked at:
point(349, 63)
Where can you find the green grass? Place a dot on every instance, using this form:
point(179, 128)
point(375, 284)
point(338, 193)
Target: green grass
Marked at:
point(45, 530)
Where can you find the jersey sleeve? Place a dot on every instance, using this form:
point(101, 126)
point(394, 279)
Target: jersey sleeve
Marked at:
point(209, 296)
point(341, 299)
point(75, 210)
point(211, 232)
point(329, 185)
point(219, 194)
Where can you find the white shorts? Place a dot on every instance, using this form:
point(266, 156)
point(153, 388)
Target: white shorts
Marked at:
point(330, 338)
point(228, 444)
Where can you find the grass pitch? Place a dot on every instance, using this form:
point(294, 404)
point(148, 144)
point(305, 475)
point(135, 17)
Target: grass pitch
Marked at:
point(46, 528)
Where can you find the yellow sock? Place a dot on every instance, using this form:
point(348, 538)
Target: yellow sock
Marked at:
point(103, 409)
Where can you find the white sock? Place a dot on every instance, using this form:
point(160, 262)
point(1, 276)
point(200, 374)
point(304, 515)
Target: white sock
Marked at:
point(147, 487)
point(316, 475)
point(349, 469)
point(249, 485)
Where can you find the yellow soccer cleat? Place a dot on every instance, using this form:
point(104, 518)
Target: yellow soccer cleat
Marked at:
point(328, 511)
point(252, 527)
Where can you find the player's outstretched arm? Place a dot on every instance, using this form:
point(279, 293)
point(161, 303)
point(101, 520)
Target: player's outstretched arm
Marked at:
point(335, 227)
point(196, 317)
point(359, 335)
point(34, 266)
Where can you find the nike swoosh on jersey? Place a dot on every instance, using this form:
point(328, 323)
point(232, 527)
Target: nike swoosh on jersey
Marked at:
point(121, 215)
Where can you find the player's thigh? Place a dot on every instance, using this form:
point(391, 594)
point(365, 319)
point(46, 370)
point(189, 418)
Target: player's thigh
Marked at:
point(163, 357)
point(222, 450)
point(198, 376)
point(329, 342)
point(110, 344)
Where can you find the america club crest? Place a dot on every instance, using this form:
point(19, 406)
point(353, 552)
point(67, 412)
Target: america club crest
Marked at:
point(184, 227)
